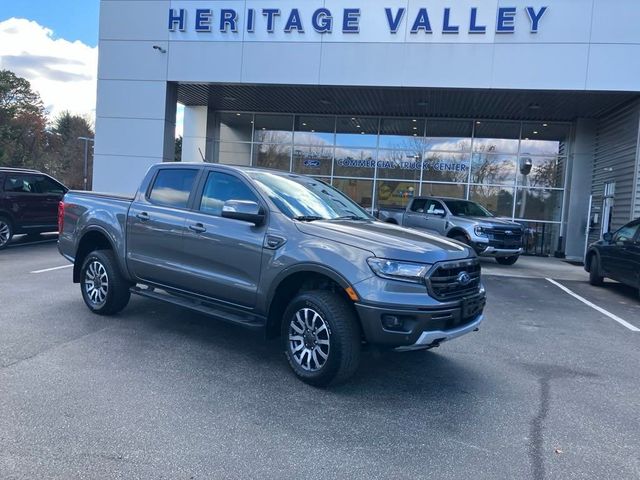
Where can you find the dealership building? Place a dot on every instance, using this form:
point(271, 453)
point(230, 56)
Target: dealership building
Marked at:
point(530, 108)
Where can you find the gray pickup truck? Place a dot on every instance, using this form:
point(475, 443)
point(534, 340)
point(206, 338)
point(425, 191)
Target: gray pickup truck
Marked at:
point(274, 251)
point(464, 221)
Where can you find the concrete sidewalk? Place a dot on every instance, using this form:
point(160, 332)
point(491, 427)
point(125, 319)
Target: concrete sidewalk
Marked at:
point(536, 267)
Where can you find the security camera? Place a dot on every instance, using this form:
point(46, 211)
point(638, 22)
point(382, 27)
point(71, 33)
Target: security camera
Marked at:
point(526, 164)
point(159, 48)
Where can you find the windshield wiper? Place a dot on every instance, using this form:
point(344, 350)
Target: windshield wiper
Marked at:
point(349, 217)
point(308, 218)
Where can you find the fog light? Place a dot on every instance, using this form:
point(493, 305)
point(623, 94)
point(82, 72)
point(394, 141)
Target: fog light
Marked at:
point(392, 322)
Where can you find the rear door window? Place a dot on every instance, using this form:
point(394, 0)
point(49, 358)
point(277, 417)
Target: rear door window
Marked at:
point(20, 184)
point(48, 186)
point(172, 187)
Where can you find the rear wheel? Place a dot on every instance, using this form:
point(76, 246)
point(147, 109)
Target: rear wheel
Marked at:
point(321, 338)
point(6, 232)
point(104, 289)
point(595, 276)
point(507, 260)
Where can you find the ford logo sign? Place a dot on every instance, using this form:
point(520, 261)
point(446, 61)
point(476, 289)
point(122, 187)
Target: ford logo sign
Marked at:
point(509, 232)
point(464, 279)
point(312, 163)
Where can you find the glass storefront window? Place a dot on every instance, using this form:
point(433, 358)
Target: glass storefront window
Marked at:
point(360, 191)
point(270, 155)
point(539, 204)
point(448, 135)
point(399, 164)
point(315, 131)
point(273, 128)
point(543, 172)
point(234, 127)
point(353, 162)
point(313, 160)
point(444, 190)
point(505, 166)
point(402, 134)
point(232, 153)
point(544, 139)
point(395, 194)
point(497, 200)
point(446, 167)
point(493, 169)
point(357, 132)
point(496, 137)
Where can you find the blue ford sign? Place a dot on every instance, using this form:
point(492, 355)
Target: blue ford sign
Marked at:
point(312, 163)
point(347, 20)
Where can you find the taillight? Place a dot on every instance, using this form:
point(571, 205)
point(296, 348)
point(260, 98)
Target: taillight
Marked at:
point(60, 216)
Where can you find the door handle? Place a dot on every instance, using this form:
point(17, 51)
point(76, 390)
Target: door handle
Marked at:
point(144, 216)
point(198, 228)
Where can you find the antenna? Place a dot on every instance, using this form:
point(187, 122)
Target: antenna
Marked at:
point(201, 154)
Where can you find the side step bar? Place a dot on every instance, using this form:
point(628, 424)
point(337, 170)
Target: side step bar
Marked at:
point(240, 318)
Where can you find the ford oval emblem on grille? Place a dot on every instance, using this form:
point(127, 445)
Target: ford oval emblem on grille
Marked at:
point(509, 232)
point(464, 279)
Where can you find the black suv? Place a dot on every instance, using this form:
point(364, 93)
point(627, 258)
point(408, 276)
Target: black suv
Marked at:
point(28, 203)
point(616, 256)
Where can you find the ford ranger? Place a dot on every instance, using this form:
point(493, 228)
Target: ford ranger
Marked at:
point(275, 251)
point(464, 221)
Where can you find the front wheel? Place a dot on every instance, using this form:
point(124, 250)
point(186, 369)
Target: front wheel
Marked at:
point(595, 277)
point(507, 260)
point(321, 338)
point(104, 289)
point(6, 232)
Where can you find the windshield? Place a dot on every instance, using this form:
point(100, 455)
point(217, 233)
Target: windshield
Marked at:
point(307, 199)
point(462, 208)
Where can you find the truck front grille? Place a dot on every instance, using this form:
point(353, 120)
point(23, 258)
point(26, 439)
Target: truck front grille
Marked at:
point(505, 237)
point(448, 282)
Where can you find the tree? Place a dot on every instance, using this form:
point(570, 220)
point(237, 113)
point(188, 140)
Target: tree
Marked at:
point(22, 122)
point(178, 152)
point(64, 158)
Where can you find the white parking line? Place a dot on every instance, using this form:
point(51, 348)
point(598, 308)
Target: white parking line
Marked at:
point(52, 269)
point(622, 322)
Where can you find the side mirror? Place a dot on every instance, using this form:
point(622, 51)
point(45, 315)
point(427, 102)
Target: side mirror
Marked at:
point(439, 212)
point(243, 210)
point(608, 237)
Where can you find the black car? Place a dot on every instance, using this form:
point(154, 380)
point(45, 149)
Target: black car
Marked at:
point(616, 256)
point(28, 203)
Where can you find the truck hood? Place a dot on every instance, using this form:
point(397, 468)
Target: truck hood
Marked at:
point(493, 221)
point(385, 240)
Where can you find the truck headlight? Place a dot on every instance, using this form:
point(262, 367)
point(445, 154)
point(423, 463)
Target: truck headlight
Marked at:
point(480, 231)
point(402, 271)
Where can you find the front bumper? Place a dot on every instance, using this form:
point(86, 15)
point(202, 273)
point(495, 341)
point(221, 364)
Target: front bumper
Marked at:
point(421, 327)
point(487, 251)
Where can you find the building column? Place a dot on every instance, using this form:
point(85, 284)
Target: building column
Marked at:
point(194, 140)
point(580, 171)
point(135, 129)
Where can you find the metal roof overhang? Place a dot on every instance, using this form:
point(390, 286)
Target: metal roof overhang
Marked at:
point(525, 105)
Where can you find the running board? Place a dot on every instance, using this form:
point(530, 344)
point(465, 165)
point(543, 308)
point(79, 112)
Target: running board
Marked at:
point(244, 319)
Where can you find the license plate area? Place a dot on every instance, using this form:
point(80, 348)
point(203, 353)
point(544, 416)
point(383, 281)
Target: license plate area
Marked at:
point(472, 306)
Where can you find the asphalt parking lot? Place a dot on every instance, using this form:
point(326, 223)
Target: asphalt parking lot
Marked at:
point(548, 389)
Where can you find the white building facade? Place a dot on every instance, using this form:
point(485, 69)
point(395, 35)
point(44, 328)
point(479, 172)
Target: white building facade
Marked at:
point(530, 108)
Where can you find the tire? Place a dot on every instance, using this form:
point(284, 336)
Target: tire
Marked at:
point(321, 324)
point(595, 277)
point(6, 232)
point(104, 289)
point(507, 260)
